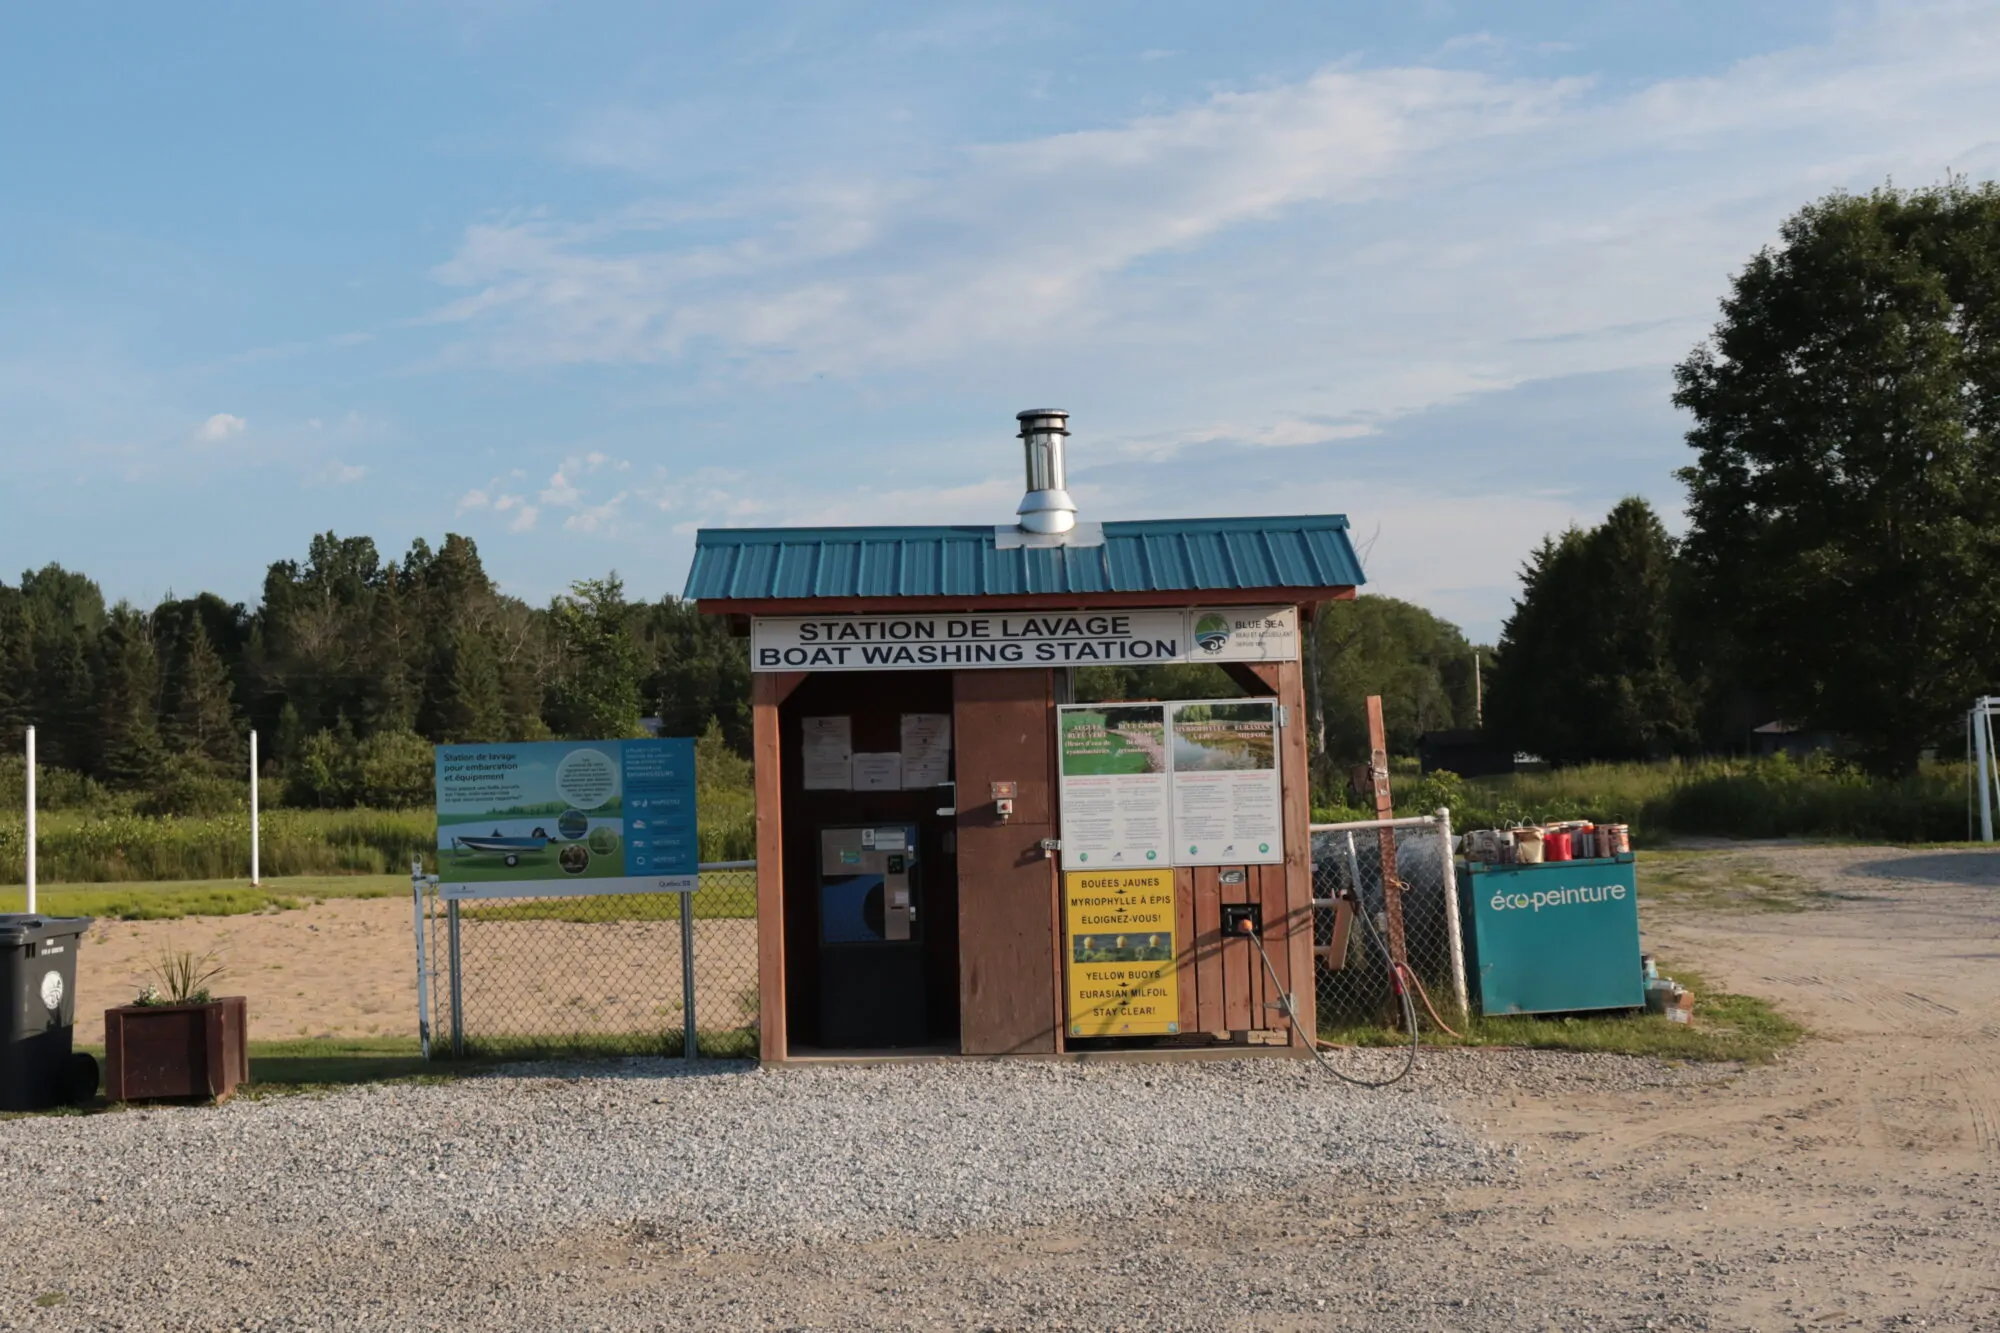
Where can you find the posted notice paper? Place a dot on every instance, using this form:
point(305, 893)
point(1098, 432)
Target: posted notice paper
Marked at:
point(926, 749)
point(878, 772)
point(828, 752)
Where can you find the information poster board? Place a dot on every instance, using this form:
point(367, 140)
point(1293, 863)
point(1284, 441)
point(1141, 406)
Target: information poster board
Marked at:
point(1192, 783)
point(1120, 962)
point(543, 818)
point(1227, 807)
point(1114, 794)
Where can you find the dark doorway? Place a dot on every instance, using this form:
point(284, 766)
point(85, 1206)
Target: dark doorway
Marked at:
point(863, 971)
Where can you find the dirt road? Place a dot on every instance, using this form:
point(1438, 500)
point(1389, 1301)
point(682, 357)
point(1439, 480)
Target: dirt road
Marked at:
point(1854, 1185)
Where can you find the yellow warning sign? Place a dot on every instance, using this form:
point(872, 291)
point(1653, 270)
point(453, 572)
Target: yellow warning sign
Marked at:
point(1122, 975)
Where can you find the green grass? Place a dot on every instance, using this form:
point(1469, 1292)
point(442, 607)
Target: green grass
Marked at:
point(1730, 798)
point(108, 845)
point(1725, 1027)
point(170, 901)
point(317, 1064)
point(724, 895)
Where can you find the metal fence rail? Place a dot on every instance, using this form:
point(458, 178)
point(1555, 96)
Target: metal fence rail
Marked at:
point(1353, 989)
point(605, 974)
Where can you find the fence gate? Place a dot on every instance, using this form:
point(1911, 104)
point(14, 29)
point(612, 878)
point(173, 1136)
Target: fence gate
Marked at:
point(604, 974)
point(1416, 906)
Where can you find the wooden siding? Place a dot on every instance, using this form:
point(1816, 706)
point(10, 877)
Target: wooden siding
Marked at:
point(1008, 943)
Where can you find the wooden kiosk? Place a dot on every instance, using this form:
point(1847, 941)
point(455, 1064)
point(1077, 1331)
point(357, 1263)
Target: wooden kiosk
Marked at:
point(913, 902)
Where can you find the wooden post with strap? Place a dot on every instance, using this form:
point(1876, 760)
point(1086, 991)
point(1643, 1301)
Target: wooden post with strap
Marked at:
point(1385, 808)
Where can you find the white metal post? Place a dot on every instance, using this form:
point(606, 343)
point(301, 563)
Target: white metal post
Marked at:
point(1451, 912)
point(31, 822)
point(417, 883)
point(1981, 747)
point(256, 877)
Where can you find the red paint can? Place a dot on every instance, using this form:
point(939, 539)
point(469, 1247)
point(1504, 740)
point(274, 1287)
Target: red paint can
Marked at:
point(1556, 846)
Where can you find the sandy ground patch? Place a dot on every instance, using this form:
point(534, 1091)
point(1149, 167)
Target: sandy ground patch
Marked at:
point(347, 968)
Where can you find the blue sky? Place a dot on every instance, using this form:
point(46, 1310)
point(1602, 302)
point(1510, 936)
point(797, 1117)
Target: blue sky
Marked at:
point(576, 279)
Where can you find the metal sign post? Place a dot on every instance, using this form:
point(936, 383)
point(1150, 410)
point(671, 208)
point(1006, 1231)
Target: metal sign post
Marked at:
point(31, 822)
point(256, 876)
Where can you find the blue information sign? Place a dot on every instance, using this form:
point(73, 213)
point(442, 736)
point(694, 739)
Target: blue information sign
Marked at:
point(566, 817)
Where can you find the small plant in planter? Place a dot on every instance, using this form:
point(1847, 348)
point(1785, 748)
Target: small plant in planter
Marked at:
point(176, 1039)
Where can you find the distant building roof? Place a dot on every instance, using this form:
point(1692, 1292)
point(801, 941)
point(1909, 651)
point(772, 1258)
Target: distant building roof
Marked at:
point(1155, 555)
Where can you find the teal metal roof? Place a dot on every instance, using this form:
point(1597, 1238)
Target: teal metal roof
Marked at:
point(1157, 555)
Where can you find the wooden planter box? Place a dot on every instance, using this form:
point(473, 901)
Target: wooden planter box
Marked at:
point(176, 1050)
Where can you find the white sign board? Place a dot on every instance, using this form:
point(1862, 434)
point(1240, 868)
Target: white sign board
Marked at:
point(1193, 783)
point(1114, 801)
point(1227, 807)
point(1024, 639)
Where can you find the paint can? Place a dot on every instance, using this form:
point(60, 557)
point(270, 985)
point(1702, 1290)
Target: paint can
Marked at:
point(1620, 838)
point(1528, 846)
point(1556, 845)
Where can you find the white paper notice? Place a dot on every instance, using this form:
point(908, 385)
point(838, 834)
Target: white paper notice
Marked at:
point(828, 750)
point(1114, 786)
point(926, 749)
point(878, 772)
point(1226, 804)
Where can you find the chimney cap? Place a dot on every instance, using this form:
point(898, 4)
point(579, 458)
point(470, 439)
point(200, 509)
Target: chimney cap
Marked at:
point(1038, 412)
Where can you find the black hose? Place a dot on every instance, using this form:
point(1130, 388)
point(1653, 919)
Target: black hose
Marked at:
point(1397, 983)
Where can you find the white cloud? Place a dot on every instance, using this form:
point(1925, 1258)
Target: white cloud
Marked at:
point(1366, 240)
point(524, 513)
point(477, 498)
point(560, 490)
point(591, 518)
point(861, 272)
point(220, 427)
point(337, 473)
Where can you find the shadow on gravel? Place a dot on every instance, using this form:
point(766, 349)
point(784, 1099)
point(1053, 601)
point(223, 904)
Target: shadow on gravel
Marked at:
point(1976, 869)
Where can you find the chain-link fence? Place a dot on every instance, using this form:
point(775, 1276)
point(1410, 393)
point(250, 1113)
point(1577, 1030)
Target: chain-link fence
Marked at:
point(604, 974)
point(1353, 973)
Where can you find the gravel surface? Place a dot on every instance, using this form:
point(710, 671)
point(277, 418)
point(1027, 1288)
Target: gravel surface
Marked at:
point(724, 1151)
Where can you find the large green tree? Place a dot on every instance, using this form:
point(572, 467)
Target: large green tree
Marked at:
point(1845, 502)
point(1419, 663)
point(596, 689)
point(1585, 668)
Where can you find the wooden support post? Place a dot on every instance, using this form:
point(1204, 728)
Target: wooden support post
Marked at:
point(1385, 808)
point(767, 691)
point(1296, 777)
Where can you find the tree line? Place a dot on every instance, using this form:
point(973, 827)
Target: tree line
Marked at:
point(350, 668)
point(1841, 567)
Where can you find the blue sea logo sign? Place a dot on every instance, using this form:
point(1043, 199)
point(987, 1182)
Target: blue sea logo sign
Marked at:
point(1211, 633)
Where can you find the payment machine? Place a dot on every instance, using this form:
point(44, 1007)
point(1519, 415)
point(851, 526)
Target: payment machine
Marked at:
point(871, 953)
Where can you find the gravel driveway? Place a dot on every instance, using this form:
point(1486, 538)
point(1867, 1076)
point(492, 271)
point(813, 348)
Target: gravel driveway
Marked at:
point(721, 1155)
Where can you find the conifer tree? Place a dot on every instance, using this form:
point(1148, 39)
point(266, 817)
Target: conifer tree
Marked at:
point(203, 720)
point(128, 682)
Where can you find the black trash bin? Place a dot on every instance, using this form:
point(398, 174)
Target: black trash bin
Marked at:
point(38, 1066)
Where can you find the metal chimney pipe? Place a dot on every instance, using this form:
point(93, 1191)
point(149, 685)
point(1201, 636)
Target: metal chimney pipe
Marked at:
point(1046, 508)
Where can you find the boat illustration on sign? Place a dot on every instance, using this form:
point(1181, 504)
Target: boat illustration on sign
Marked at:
point(509, 850)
